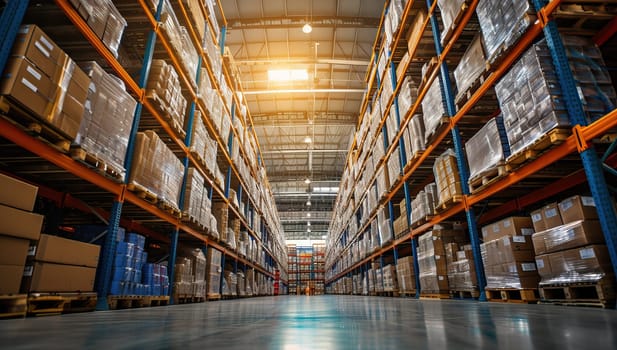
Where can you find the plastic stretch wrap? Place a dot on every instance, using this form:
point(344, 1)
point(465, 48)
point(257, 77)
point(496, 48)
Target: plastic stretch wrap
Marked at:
point(104, 19)
point(213, 270)
point(163, 87)
point(530, 95)
point(385, 229)
point(394, 167)
point(405, 275)
point(487, 148)
point(231, 284)
point(568, 236)
point(433, 109)
point(424, 203)
point(392, 20)
point(502, 23)
point(179, 39)
point(416, 131)
point(450, 10)
point(580, 265)
point(461, 269)
point(432, 260)
point(194, 195)
point(156, 168)
point(108, 117)
point(509, 263)
point(408, 94)
point(471, 66)
point(241, 283)
point(447, 177)
point(392, 125)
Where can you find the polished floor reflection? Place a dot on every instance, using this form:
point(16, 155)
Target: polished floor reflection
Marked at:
point(321, 322)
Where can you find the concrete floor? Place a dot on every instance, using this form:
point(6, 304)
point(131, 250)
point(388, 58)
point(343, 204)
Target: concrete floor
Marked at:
point(321, 322)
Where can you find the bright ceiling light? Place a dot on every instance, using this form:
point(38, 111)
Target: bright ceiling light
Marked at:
point(287, 74)
point(308, 215)
point(324, 237)
point(326, 189)
point(308, 223)
point(307, 181)
point(307, 139)
point(308, 230)
point(307, 28)
point(308, 203)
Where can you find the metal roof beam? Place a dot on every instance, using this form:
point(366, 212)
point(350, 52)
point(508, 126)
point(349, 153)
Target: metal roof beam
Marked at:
point(298, 22)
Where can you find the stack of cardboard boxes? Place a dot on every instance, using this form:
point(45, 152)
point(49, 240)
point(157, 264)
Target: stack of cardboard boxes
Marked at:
point(156, 168)
point(433, 110)
point(507, 253)
point(447, 177)
point(18, 226)
point(45, 81)
point(213, 272)
point(164, 89)
point(405, 275)
point(424, 204)
point(575, 251)
point(432, 257)
point(487, 149)
point(461, 268)
point(390, 282)
point(104, 20)
point(401, 225)
point(107, 120)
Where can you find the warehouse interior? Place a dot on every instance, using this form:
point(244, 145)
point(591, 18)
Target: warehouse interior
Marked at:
point(298, 174)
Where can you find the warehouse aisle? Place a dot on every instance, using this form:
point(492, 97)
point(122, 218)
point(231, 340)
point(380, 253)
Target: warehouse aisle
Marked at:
point(321, 322)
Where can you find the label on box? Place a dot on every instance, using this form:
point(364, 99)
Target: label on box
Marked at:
point(42, 49)
point(536, 217)
point(565, 205)
point(34, 73)
point(551, 212)
point(28, 271)
point(437, 257)
point(581, 95)
point(495, 228)
point(506, 223)
point(29, 84)
point(441, 278)
point(46, 43)
point(506, 241)
point(32, 250)
point(588, 201)
point(519, 239)
point(527, 231)
point(540, 263)
point(528, 266)
point(587, 253)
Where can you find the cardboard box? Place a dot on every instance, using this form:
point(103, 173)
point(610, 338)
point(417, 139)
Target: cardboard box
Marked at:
point(13, 251)
point(10, 275)
point(512, 226)
point(516, 243)
point(415, 30)
point(19, 223)
point(60, 250)
point(593, 259)
point(27, 85)
point(17, 194)
point(577, 208)
point(544, 265)
point(573, 235)
point(551, 216)
point(521, 269)
point(48, 277)
point(33, 43)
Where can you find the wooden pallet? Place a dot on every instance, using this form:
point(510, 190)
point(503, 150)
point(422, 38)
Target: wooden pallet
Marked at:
point(598, 294)
point(92, 161)
point(117, 302)
point(188, 299)
point(512, 295)
point(407, 294)
point(552, 138)
point(487, 178)
point(143, 193)
point(449, 31)
point(414, 158)
point(189, 219)
point(42, 304)
point(442, 294)
point(422, 221)
point(170, 208)
point(213, 296)
point(465, 294)
point(448, 203)
point(432, 64)
point(13, 305)
point(150, 301)
point(388, 294)
point(33, 126)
